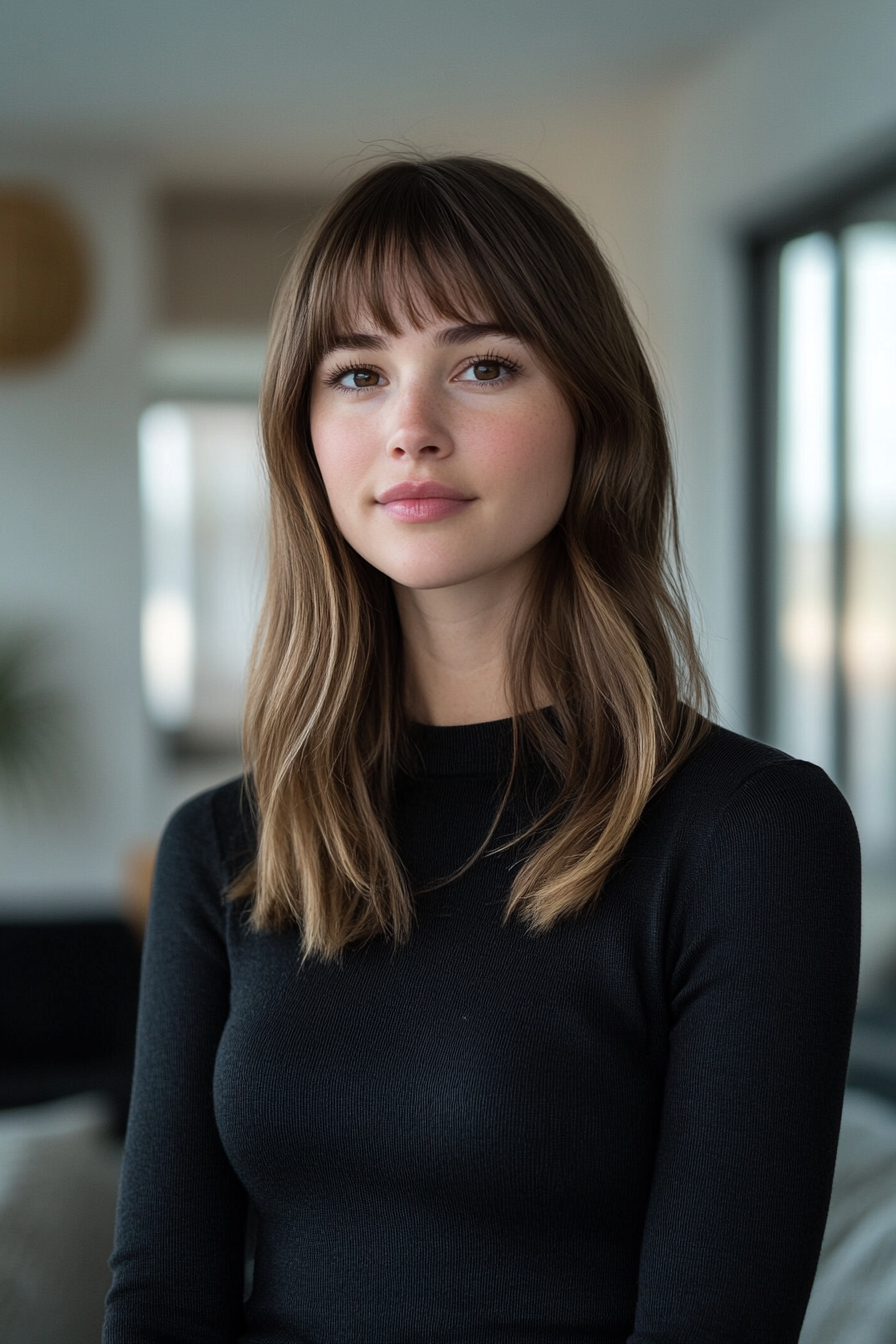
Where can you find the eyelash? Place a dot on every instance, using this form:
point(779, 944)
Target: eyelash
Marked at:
point(510, 367)
point(334, 379)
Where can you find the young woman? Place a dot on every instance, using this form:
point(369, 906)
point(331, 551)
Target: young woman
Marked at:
point(507, 999)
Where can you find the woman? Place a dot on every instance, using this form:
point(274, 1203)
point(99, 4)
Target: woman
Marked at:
point(511, 997)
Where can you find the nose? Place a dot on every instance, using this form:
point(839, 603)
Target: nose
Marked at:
point(418, 427)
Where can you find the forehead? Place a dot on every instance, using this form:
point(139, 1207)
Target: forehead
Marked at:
point(367, 335)
point(399, 306)
point(392, 285)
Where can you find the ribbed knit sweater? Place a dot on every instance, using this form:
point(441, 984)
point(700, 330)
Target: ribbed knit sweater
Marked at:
point(623, 1129)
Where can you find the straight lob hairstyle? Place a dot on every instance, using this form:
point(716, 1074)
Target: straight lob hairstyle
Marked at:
point(602, 628)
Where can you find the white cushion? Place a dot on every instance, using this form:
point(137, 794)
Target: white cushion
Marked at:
point(58, 1189)
point(854, 1297)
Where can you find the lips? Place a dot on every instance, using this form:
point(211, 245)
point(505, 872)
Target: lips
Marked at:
point(420, 490)
point(422, 501)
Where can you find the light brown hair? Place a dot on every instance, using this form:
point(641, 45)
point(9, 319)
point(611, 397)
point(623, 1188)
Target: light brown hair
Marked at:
point(603, 626)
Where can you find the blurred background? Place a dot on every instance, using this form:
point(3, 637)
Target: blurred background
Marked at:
point(158, 165)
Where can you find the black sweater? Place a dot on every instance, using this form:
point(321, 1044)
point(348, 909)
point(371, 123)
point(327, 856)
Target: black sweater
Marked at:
point(620, 1130)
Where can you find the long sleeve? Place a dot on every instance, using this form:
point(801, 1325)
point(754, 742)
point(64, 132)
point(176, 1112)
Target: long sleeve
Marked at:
point(178, 1257)
point(763, 945)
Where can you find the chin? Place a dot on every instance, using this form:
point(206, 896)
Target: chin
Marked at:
point(429, 583)
point(425, 572)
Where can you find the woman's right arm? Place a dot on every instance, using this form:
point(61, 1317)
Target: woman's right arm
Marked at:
point(180, 1233)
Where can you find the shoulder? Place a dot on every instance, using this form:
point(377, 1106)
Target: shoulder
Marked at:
point(762, 877)
point(743, 825)
point(736, 806)
point(208, 840)
point(215, 830)
point(728, 774)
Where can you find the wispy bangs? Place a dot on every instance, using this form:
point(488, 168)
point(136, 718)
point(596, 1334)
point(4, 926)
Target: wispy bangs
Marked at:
point(402, 270)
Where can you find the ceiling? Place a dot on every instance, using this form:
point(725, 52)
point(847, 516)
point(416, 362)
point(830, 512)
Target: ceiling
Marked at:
point(236, 87)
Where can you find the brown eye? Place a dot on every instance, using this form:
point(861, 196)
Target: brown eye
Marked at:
point(354, 379)
point(489, 371)
point(361, 378)
point(486, 371)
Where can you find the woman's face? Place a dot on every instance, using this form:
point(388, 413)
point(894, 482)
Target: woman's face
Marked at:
point(446, 452)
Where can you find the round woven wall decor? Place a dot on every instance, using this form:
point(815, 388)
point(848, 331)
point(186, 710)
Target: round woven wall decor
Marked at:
point(44, 277)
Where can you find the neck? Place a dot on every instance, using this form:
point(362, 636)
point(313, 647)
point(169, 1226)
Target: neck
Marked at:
point(455, 662)
point(455, 653)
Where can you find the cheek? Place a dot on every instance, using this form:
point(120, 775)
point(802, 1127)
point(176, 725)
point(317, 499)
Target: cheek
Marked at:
point(535, 456)
point(338, 459)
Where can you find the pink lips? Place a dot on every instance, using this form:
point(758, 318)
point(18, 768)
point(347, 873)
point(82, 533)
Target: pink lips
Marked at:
point(422, 501)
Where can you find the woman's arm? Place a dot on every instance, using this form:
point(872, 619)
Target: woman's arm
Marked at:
point(762, 972)
point(179, 1243)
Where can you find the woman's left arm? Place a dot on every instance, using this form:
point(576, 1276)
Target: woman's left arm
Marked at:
point(763, 954)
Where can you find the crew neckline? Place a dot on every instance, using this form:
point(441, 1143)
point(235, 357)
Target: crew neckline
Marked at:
point(462, 748)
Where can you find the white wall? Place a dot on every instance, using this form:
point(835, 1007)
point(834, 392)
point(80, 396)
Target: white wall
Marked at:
point(70, 545)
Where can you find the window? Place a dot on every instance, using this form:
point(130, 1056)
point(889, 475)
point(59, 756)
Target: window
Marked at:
point(203, 503)
point(220, 255)
point(826, 680)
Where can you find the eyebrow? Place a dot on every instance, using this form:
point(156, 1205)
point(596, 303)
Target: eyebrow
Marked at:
point(467, 331)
